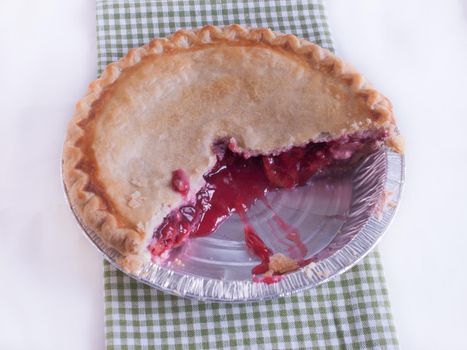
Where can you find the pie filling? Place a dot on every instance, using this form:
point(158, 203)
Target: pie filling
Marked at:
point(236, 182)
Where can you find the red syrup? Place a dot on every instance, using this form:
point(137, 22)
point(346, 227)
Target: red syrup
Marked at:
point(233, 186)
point(270, 279)
point(255, 245)
point(297, 250)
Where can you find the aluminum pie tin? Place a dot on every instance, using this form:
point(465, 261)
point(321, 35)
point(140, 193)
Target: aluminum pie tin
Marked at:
point(340, 219)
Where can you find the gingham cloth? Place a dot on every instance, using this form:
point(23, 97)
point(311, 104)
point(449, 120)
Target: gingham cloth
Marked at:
point(350, 312)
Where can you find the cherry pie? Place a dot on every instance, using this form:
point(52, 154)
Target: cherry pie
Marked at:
point(185, 131)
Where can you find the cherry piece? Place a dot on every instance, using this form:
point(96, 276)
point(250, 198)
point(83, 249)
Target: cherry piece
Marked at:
point(180, 182)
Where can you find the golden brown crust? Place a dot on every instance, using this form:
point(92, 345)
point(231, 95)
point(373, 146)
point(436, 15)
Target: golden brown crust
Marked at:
point(280, 264)
point(89, 197)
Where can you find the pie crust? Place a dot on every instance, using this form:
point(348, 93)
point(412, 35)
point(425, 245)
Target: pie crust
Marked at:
point(162, 107)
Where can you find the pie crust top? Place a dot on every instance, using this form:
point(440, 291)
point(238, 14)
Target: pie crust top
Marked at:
point(163, 106)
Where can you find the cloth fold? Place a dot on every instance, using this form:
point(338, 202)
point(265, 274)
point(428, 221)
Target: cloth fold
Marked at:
point(351, 311)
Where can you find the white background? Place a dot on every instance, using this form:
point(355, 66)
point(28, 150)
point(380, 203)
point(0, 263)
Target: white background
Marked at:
point(51, 294)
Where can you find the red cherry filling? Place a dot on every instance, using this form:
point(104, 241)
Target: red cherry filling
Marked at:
point(180, 182)
point(236, 182)
point(296, 166)
point(232, 185)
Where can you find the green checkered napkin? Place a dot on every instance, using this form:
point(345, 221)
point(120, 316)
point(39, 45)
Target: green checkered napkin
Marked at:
point(350, 312)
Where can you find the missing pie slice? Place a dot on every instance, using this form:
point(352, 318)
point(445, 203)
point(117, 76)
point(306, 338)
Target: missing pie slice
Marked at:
point(183, 132)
